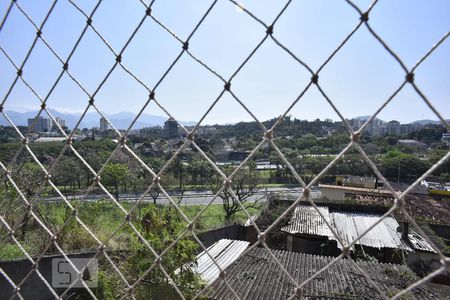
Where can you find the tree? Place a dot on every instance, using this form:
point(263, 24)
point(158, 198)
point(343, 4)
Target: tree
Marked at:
point(95, 162)
point(178, 170)
point(114, 175)
point(154, 193)
point(159, 226)
point(68, 172)
point(244, 184)
point(9, 203)
point(307, 141)
point(403, 166)
point(199, 171)
point(371, 148)
point(28, 177)
point(311, 166)
point(281, 174)
point(354, 164)
point(434, 157)
point(391, 140)
point(428, 135)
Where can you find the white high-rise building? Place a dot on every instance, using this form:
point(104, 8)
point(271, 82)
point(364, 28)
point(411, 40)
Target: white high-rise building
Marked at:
point(60, 121)
point(104, 126)
point(42, 124)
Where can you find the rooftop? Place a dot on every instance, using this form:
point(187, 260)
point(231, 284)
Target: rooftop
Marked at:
point(358, 181)
point(306, 220)
point(253, 275)
point(356, 189)
point(350, 225)
point(224, 252)
point(420, 207)
point(412, 142)
point(49, 139)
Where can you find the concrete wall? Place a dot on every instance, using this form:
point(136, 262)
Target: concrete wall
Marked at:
point(250, 234)
point(312, 245)
point(232, 232)
point(33, 287)
point(441, 230)
point(332, 194)
point(423, 263)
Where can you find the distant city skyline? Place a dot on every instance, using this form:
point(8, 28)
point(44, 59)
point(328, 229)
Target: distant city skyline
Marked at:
point(335, 119)
point(122, 120)
point(358, 79)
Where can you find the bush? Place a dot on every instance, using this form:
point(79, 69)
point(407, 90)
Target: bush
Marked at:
point(10, 251)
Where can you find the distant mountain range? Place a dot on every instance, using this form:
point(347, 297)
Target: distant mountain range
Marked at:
point(363, 118)
point(426, 122)
point(421, 122)
point(120, 120)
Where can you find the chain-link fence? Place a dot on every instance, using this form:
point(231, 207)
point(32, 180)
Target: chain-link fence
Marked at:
point(27, 200)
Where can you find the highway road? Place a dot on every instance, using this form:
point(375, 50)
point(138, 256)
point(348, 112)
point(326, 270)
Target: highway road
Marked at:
point(192, 197)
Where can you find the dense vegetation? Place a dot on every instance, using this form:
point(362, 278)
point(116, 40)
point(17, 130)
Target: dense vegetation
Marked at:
point(158, 226)
point(309, 147)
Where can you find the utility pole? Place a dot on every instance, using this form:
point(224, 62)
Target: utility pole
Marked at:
point(398, 174)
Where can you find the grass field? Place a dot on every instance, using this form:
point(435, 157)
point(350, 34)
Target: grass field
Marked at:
point(103, 218)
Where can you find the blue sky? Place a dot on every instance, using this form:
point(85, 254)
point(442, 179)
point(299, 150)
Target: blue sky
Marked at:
point(358, 79)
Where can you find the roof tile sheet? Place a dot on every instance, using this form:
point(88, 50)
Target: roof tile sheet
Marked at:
point(350, 226)
point(255, 275)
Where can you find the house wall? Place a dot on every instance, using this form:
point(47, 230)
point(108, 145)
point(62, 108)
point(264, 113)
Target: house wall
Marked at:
point(250, 234)
point(33, 288)
point(233, 232)
point(423, 263)
point(332, 194)
point(383, 255)
point(441, 230)
point(309, 246)
point(312, 245)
